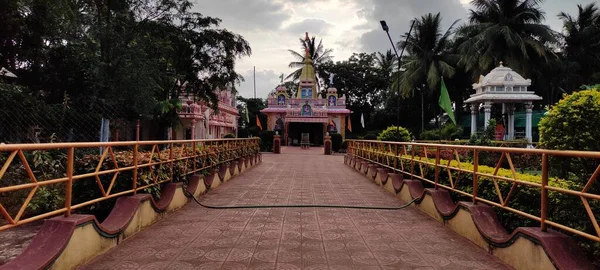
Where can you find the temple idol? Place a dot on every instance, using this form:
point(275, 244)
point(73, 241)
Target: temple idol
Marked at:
point(309, 112)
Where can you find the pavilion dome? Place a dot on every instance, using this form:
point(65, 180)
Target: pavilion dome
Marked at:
point(502, 76)
point(503, 85)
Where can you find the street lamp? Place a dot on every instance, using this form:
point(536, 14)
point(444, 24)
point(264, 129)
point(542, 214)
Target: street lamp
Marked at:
point(386, 28)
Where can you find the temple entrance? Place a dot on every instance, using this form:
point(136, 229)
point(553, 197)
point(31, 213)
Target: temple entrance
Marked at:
point(315, 131)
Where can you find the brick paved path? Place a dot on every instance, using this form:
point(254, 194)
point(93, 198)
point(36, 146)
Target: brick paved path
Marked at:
point(293, 238)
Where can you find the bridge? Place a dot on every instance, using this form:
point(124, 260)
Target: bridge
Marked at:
point(224, 205)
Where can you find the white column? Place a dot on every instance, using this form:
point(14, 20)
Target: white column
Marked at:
point(474, 110)
point(511, 122)
point(488, 112)
point(528, 122)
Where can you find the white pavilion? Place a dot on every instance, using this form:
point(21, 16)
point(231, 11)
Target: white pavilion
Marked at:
point(503, 86)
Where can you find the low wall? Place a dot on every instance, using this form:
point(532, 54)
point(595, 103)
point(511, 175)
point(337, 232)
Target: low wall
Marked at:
point(68, 242)
point(525, 248)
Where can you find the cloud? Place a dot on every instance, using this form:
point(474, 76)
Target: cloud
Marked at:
point(246, 15)
point(312, 26)
point(266, 81)
point(398, 15)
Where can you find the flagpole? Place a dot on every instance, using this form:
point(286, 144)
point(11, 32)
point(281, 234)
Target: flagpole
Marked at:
point(254, 81)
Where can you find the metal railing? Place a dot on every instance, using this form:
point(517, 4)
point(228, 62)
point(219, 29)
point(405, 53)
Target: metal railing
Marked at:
point(422, 161)
point(192, 156)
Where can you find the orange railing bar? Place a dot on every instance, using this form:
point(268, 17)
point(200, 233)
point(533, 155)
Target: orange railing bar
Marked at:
point(418, 155)
point(223, 150)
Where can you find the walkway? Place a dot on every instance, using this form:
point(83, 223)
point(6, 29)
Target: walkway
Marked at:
point(293, 238)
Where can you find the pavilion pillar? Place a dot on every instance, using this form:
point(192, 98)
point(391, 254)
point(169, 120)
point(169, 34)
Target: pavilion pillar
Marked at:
point(511, 122)
point(193, 129)
point(488, 113)
point(528, 121)
point(474, 110)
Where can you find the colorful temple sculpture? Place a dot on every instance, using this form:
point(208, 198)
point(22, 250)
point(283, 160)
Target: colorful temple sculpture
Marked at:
point(308, 113)
point(198, 121)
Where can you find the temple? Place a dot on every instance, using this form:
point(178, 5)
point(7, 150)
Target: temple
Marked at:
point(198, 121)
point(308, 112)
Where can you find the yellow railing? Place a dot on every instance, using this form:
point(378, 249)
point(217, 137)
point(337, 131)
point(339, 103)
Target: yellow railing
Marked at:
point(192, 156)
point(422, 161)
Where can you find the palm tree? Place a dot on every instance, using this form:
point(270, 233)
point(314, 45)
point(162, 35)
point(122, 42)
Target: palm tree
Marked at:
point(429, 56)
point(386, 61)
point(582, 40)
point(318, 54)
point(505, 30)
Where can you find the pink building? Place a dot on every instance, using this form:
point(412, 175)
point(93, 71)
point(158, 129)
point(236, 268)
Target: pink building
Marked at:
point(198, 121)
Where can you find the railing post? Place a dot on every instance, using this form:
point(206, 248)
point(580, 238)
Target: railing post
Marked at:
point(135, 167)
point(544, 206)
point(412, 161)
point(437, 166)
point(194, 154)
point(69, 191)
point(396, 158)
point(475, 174)
point(171, 159)
point(137, 130)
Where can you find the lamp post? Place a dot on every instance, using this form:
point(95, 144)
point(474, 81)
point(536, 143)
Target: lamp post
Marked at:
point(386, 28)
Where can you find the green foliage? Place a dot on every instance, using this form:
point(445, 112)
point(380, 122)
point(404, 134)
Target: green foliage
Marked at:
point(448, 132)
point(344, 145)
point(229, 135)
point(106, 56)
point(336, 142)
point(486, 138)
point(317, 52)
point(395, 134)
point(429, 58)
point(370, 137)
point(266, 140)
point(432, 134)
point(508, 31)
point(451, 132)
point(47, 165)
point(559, 129)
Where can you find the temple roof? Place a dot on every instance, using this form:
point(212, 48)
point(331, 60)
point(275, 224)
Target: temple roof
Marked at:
point(501, 76)
point(502, 84)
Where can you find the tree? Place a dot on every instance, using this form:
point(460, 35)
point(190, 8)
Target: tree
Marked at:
point(429, 56)
point(510, 31)
point(582, 41)
point(254, 106)
point(387, 62)
point(105, 55)
point(317, 52)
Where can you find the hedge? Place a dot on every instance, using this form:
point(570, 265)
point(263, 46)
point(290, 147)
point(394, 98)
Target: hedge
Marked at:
point(562, 208)
point(52, 164)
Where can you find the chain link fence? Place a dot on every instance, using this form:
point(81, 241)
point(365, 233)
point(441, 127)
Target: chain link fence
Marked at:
point(55, 123)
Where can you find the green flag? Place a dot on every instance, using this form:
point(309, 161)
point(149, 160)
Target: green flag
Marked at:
point(445, 102)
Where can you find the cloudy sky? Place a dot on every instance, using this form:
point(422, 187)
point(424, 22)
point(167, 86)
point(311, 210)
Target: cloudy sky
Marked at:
point(346, 26)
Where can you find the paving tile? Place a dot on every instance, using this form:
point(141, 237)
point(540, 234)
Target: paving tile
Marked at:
point(297, 238)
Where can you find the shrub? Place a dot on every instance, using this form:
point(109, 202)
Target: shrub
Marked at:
point(430, 135)
point(370, 137)
point(395, 134)
point(344, 145)
point(576, 112)
point(266, 140)
point(450, 132)
point(336, 142)
point(229, 135)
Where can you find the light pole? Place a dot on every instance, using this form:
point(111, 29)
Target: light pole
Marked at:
point(385, 28)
